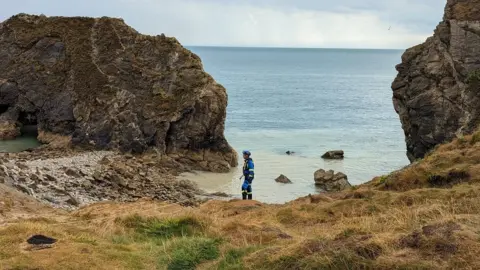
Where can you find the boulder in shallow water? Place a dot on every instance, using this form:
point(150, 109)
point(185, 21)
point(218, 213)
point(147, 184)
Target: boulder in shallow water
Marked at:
point(329, 181)
point(283, 179)
point(334, 154)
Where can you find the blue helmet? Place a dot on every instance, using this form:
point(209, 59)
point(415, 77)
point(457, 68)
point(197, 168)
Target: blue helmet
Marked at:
point(246, 152)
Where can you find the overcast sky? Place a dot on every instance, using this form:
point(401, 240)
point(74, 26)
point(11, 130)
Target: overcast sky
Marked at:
point(273, 23)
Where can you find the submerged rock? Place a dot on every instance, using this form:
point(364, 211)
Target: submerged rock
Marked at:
point(329, 181)
point(96, 82)
point(437, 90)
point(335, 154)
point(283, 179)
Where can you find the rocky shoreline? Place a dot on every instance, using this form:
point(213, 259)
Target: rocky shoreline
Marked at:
point(69, 179)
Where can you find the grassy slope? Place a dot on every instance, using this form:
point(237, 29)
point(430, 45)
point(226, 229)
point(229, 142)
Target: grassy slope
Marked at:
point(423, 217)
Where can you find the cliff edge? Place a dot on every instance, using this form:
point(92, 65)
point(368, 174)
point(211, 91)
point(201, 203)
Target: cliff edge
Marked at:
point(437, 90)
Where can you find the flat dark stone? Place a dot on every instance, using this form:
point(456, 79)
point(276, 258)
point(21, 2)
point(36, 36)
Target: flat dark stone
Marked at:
point(41, 240)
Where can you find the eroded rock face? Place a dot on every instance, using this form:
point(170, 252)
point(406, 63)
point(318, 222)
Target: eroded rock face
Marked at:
point(100, 83)
point(437, 90)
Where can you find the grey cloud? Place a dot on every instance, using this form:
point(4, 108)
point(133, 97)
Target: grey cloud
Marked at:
point(280, 22)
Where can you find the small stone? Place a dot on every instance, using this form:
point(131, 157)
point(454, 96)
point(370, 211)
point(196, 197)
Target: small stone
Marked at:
point(35, 177)
point(97, 176)
point(24, 189)
point(72, 172)
point(58, 189)
point(50, 178)
point(105, 161)
point(118, 180)
point(22, 166)
point(132, 185)
point(34, 186)
point(87, 184)
point(283, 179)
point(73, 201)
point(219, 194)
point(50, 199)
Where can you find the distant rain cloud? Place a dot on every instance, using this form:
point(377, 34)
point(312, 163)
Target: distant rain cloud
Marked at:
point(277, 23)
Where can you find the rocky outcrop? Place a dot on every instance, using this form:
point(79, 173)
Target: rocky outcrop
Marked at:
point(437, 90)
point(97, 82)
point(71, 179)
point(283, 179)
point(335, 154)
point(330, 181)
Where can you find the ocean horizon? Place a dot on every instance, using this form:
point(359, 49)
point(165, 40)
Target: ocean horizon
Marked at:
point(308, 101)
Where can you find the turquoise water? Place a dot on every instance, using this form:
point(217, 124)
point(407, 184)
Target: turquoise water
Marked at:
point(27, 140)
point(308, 101)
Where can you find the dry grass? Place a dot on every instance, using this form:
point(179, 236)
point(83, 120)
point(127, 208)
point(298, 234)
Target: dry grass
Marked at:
point(362, 229)
point(394, 222)
point(449, 164)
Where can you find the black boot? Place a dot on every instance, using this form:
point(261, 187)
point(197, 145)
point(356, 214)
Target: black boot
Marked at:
point(250, 196)
point(244, 196)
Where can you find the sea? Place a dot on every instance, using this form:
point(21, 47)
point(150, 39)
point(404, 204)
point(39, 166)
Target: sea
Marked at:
point(308, 101)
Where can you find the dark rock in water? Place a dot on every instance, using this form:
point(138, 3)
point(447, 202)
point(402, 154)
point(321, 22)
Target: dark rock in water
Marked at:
point(289, 152)
point(437, 90)
point(96, 82)
point(283, 179)
point(41, 240)
point(329, 181)
point(335, 154)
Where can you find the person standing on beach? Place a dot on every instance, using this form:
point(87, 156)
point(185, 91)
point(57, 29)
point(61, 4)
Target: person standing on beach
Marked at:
point(248, 174)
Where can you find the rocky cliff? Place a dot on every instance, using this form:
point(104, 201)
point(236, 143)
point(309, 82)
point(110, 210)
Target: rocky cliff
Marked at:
point(437, 90)
point(98, 82)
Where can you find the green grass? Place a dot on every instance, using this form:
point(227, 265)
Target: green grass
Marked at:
point(473, 76)
point(233, 259)
point(163, 228)
point(188, 253)
point(475, 138)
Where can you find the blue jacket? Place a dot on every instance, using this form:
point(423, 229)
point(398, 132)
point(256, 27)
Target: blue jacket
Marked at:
point(248, 170)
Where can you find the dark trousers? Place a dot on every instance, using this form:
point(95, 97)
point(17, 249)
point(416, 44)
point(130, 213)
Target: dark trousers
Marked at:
point(247, 192)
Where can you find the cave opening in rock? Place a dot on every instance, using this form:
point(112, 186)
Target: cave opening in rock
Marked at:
point(29, 124)
point(4, 108)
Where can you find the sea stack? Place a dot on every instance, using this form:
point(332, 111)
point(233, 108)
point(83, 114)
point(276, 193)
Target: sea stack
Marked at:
point(437, 90)
point(99, 83)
